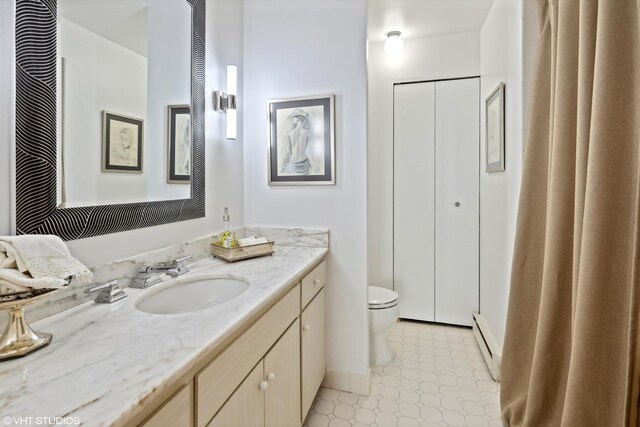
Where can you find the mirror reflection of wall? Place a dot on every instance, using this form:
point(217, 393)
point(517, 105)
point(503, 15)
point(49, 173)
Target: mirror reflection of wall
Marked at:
point(121, 64)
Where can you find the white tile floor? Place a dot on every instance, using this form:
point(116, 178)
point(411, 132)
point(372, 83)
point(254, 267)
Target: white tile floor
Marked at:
point(438, 378)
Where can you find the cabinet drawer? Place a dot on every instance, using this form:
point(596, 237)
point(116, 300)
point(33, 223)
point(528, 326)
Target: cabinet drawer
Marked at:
point(313, 282)
point(217, 381)
point(177, 411)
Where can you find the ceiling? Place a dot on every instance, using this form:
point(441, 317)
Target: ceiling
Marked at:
point(424, 18)
point(122, 21)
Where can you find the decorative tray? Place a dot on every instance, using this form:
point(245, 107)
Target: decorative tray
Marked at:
point(18, 298)
point(242, 252)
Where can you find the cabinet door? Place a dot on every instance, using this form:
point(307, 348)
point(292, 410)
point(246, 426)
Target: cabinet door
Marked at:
point(245, 407)
point(457, 201)
point(413, 198)
point(177, 410)
point(313, 350)
point(282, 373)
point(217, 381)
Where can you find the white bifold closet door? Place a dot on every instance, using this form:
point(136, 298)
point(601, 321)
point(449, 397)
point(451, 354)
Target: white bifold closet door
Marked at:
point(436, 200)
point(414, 199)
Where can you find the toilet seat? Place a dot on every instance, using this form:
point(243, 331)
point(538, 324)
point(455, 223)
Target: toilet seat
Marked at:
point(380, 298)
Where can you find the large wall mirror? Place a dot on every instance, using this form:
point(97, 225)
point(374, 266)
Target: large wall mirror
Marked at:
point(109, 115)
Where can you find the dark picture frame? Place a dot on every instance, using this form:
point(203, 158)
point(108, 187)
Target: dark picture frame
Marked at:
point(122, 143)
point(301, 141)
point(494, 130)
point(178, 144)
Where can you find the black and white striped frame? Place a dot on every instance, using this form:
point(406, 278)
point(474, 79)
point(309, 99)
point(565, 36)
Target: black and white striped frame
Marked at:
point(35, 154)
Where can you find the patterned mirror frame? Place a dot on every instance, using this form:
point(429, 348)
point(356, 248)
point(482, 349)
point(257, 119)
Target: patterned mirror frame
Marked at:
point(35, 154)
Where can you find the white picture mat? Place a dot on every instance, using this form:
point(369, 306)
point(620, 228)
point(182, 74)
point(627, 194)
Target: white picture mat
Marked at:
point(182, 130)
point(119, 153)
point(493, 131)
point(315, 147)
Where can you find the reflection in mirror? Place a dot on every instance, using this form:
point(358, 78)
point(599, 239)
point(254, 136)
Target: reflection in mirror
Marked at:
point(124, 70)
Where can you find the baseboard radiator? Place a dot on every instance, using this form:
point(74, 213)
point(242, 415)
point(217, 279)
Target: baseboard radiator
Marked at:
point(488, 345)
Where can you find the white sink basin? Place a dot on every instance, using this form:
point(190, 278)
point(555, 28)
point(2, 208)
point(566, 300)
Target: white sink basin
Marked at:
point(191, 293)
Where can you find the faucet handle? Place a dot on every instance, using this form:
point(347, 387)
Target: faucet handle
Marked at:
point(180, 261)
point(107, 292)
point(108, 285)
point(179, 267)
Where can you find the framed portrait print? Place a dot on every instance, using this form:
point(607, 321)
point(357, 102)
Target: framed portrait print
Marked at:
point(494, 120)
point(122, 141)
point(301, 141)
point(178, 144)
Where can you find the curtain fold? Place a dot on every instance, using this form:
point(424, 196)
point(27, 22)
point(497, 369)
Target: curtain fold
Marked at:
point(570, 350)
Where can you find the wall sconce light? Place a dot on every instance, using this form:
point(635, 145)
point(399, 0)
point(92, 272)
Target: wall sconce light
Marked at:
point(394, 44)
point(225, 102)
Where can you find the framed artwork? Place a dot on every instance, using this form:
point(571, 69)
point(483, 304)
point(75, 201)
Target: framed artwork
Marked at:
point(178, 144)
point(122, 141)
point(494, 120)
point(301, 141)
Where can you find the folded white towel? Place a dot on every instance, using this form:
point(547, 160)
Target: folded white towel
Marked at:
point(37, 261)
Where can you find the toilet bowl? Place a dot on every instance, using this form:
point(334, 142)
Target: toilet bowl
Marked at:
point(383, 313)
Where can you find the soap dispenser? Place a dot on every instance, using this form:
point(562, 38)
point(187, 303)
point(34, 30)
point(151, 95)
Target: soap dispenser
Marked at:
point(227, 237)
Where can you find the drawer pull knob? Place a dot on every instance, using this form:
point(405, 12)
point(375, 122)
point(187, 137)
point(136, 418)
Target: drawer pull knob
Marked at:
point(306, 327)
point(317, 282)
point(264, 385)
point(271, 376)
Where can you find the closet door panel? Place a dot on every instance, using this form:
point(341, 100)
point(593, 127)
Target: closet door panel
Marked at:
point(457, 201)
point(413, 208)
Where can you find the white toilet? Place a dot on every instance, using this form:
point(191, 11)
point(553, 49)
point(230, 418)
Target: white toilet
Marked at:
point(383, 313)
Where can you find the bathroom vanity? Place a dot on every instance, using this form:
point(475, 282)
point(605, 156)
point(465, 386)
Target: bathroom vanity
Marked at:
point(268, 376)
point(255, 360)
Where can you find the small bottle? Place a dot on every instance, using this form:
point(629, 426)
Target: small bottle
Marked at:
point(227, 237)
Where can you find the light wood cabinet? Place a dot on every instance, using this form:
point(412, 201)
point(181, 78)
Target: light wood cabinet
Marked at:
point(282, 371)
point(312, 346)
point(176, 411)
point(270, 395)
point(266, 375)
point(312, 283)
point(216, 382)
point(246, 406)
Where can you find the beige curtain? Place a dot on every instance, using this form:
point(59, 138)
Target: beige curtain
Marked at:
point(569, 356)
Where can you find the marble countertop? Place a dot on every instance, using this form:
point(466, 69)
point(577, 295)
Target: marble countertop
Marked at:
point(106, 358)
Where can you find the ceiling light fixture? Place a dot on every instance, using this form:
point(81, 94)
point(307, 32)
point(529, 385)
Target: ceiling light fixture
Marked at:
point(394, 44)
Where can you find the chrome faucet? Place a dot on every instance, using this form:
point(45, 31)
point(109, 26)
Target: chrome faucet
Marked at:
point(147, 275)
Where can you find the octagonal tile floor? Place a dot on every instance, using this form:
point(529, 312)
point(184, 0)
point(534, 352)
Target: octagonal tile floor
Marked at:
point(438, 378)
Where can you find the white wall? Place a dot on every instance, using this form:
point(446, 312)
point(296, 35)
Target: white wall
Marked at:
point(530, 37)
point(224, 177)
point(7, 105)
point(225, 165)
point(432, 58)
point(296, 48)
point(169, 84)
point(98, 75)
point(501, 60)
